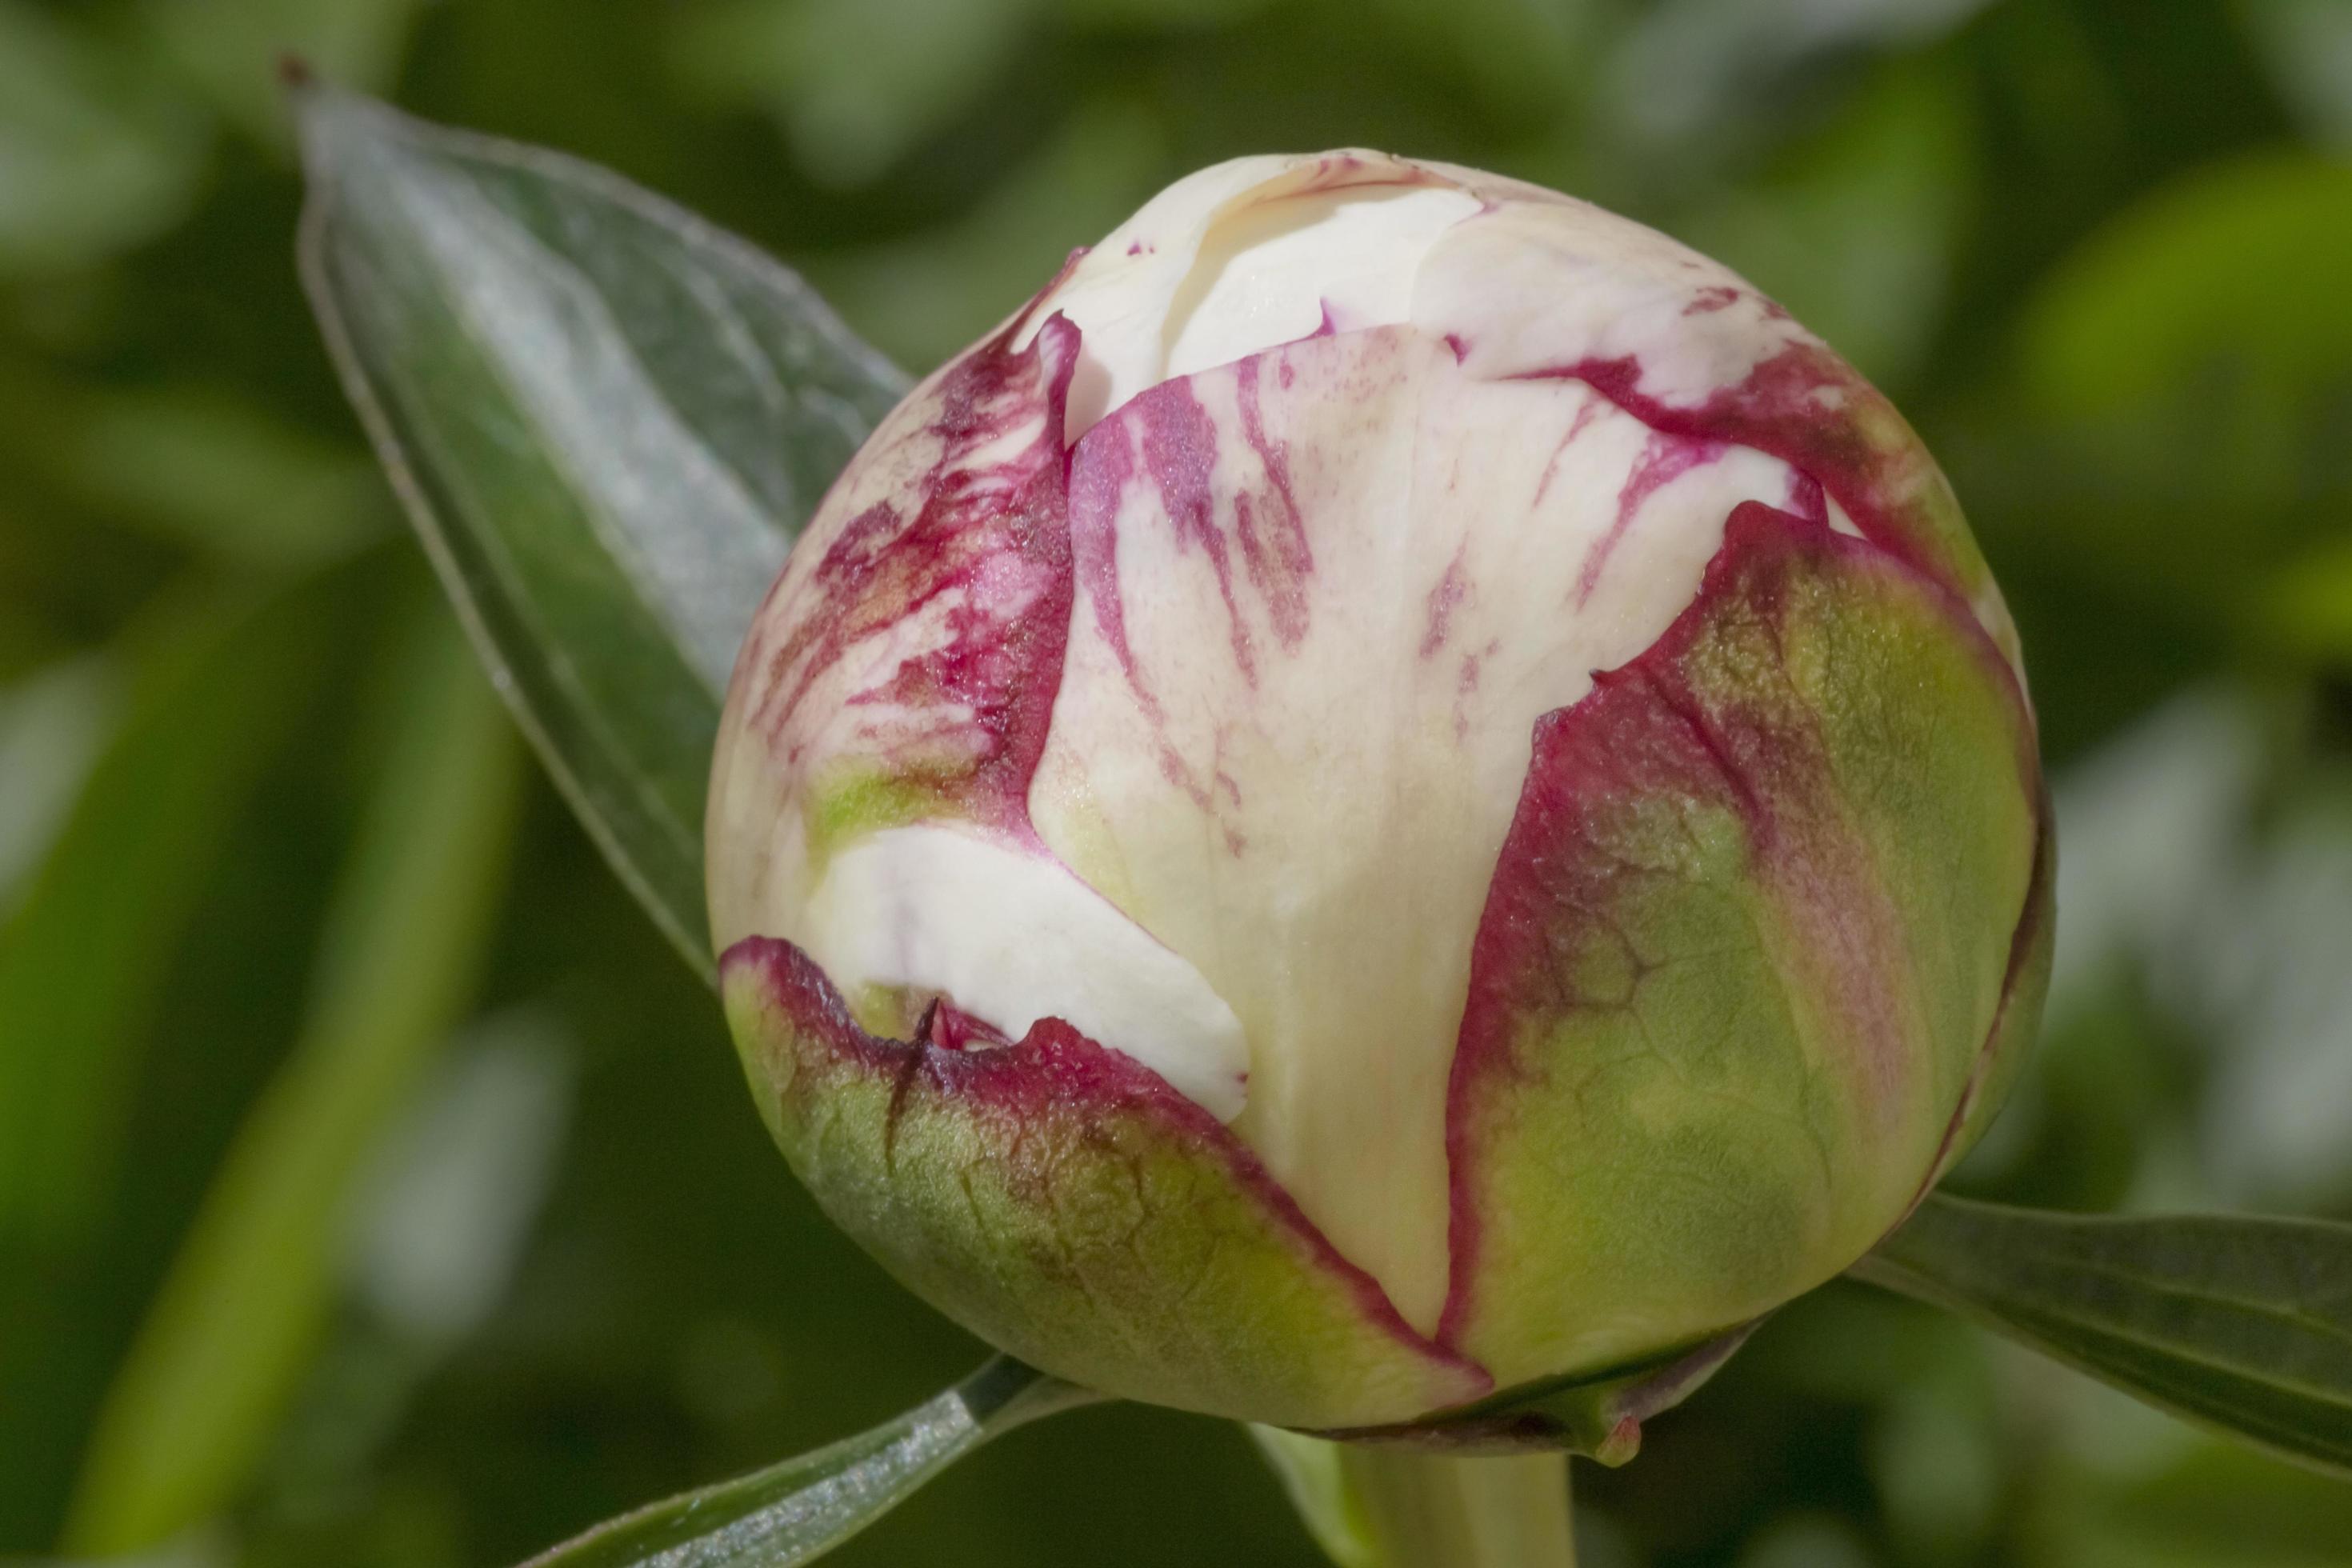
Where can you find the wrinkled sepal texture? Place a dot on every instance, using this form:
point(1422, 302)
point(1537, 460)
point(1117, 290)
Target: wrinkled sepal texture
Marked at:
point(1063, 1202)
point(1749, 956)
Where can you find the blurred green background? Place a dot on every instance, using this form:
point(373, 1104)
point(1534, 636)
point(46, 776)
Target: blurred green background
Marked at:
point(377, 1188)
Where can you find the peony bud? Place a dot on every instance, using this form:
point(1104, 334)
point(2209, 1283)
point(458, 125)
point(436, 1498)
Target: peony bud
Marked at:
point(1399, 794)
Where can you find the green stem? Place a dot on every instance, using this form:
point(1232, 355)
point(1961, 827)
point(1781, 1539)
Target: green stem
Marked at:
point(1374, 1506)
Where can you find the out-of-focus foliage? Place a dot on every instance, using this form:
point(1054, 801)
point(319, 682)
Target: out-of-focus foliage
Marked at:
point(518, 1256)
point(609, 421)
point(802, 1509)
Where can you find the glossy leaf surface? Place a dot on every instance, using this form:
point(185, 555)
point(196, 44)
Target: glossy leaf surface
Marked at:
point(799, 1510)
point(2239, 1322)
point(607, 420)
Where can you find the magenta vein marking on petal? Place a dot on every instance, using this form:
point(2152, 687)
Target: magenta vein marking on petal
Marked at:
point(1775, 409)
point(993, 530)
point(1466, 687)
point(1665, 458)
point(1253, 547)
point(1179, 454)
point(1445, 598)
point(1054, 1065)
point(1077, 253)
point(1100, 470)
point(1574, 774)
point(1281, 570)
point(1172, 769)
point(1345, 171)
point(1576, 426)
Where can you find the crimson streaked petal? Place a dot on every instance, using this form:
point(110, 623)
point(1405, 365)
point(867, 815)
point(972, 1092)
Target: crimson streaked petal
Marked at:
point(904, 664)
point(1557, 287)
point(1207, 926)
point(1323, 595)
point(1747, 942)
point(1065, 1203)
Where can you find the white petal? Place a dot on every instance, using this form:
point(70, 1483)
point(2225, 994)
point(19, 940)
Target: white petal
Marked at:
point(1537, 286)
point(1010, 937)
point(1298, 769)
point(1241, 257)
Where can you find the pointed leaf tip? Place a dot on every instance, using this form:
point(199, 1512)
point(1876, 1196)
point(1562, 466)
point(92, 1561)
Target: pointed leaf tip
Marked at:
point(607, 420)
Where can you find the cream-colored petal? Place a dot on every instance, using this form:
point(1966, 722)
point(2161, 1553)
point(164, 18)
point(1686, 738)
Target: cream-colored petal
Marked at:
point(927, 550)
point(1011, 937)
point(1323, 596)
point(1243, 256)
point(1535, 286)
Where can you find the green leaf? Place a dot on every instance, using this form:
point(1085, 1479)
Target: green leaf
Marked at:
point(231, 1329)
point(52, 724)
point(2305, 606)
point(2308, 47)
point(797, 1510)
point(607, 420)
point(2241, 262)
point(922, 297)
point(2239, 1322)
point(95, 155)
point(190, 464)
point(856, 84)
point(1854, 231)
point(221, 682)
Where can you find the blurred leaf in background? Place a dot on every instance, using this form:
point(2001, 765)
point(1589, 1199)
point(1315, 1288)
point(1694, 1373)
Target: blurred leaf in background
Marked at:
point(425, 1226)
point(239, 1314)
point(101, 151)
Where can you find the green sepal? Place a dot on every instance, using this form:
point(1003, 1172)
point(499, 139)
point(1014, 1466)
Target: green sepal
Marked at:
point(1596, 1414)
point(1764, 936)
point(1060, 1201)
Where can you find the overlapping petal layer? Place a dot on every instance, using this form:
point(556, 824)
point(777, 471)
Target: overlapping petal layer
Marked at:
point(1757, 927)
point(1400, 788)
point(1063, 1202)
point(1323, 596)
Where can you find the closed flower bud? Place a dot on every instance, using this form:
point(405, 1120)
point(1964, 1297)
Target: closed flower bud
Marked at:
point(1399, 796)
